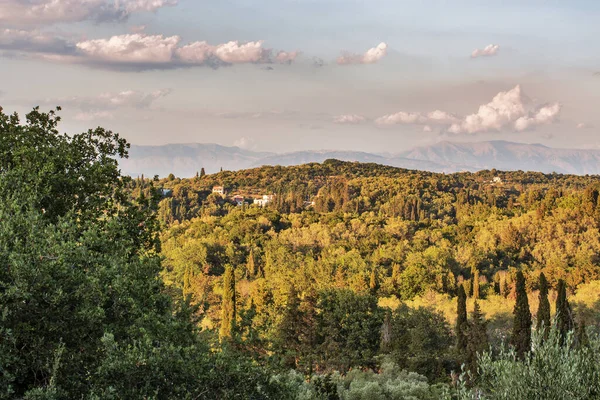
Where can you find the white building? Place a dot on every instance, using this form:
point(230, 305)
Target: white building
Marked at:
point(266, 199)
point(219, 189)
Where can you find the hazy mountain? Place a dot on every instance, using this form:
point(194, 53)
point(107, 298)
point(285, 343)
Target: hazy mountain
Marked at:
point(185, 160)
point(508, 156)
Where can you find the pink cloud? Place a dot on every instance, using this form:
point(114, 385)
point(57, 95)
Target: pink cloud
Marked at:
point(370, 57)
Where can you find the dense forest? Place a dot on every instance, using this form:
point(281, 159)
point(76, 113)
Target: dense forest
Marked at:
point(353, 281)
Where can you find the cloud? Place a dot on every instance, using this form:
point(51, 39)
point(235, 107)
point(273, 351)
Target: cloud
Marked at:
point(95, 107)
point(401, 117)
point(583, 125)
point(370, 57)
point(349, 119)
point(34, 41)
point(284, 57)
point(543, 116)
point(487, 51)
point(245, 143)
point(137, 28)
point(507, 110)
point(91, 116)
point(414, 118)
point(318, 62)
point(130, 49)
point(139, 51)
point(47, 12)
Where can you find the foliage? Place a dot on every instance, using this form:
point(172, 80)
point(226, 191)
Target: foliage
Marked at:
point(553, 371)
point(521, 336)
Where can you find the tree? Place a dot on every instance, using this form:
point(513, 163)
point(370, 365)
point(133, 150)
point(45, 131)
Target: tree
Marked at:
point(348, 327)
point(228, 306)
point(202, 172)
point(521, 335)
point(373, 282)
point(543, 314)
point(83, 310)
point(420, 342)
point(477, 338)
point(564, 315)
point(461, 320)
point(288, 335)
point(476, 284)
point(553, 371)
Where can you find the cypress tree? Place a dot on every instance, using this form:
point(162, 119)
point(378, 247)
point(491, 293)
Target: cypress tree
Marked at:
point(228, 313)
point(477, 337)
point(202, 172)
point(461, 319)
point(251, 265)
point(373, 283)
point(476, 284)
point(521, 335)
point(564, 315)
point(288, 330)
point(543, 314)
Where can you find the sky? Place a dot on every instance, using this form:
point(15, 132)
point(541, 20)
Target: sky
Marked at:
point(285, 75)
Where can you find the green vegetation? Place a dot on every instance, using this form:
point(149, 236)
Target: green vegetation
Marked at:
point(355, 281)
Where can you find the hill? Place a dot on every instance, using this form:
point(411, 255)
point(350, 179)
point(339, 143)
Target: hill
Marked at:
point(186, 159)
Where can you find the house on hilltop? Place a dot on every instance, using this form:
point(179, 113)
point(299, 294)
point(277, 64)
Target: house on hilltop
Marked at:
point(219, 190)
point(238, 200)
point(266, 199)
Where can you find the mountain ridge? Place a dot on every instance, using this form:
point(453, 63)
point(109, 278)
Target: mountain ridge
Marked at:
point(186, 159)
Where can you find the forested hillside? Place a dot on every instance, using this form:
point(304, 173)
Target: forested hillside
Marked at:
point(341, 281)
point(333, 272)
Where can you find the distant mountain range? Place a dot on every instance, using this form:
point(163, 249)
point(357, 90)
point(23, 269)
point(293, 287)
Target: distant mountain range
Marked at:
point(185, 160)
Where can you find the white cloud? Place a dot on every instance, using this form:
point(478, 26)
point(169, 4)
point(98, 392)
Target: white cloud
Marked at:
point(349, 119)
point(133, 48)
point(101, 104)
point(441, 117)
point(139, 51)
point(582, 125)
point(92, 116)
point(489, 50)
point(543, 116)
point(245, 143)
point(236, 53)
point(401, 118)
point(46, 12)
point(436, 117)
point(370, 57)
point(284, 57)
point(33, 41)
point(506, 110)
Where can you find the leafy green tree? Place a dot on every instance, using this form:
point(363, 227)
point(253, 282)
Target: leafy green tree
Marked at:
point(521, 335)
point(543, 314)
point(421, 340)
point(83, 311)
point(348, 326)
